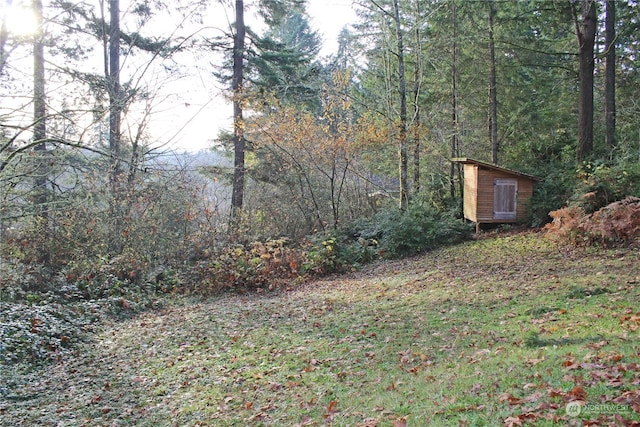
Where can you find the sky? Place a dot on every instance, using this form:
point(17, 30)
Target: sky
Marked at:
point(195, 110)
point(204, 102)
point(329, 17)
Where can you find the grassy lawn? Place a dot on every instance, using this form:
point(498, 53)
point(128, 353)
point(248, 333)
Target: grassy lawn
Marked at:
point(499, 331)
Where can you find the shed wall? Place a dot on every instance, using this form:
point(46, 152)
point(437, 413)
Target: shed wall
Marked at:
point(525, 191)
point(470, 198)
point(484, 202)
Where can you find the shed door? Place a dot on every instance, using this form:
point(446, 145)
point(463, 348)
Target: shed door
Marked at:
point(505, 193)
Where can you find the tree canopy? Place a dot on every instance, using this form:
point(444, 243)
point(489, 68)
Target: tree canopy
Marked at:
point(310, 144)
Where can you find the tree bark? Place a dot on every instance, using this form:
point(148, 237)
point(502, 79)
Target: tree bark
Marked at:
point(493, 90)
point(112, 70)
point(237, 194)
point(115, 101)
point(586, 33)
point(610, 74)
point(454, 102)
point(40, 130)
point(402, 126)
point(4, 37)
point(417, 83)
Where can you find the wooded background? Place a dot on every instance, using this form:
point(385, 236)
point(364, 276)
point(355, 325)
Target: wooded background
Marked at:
point(360, 140)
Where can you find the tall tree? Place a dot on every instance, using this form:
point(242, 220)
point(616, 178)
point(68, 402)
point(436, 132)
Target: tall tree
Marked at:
point(239, 143)
point(112, 74)
point(40, 125)
point(417, 90)
point(384, 85)
point(402, 125)
point(284, 62)
point(111, 44)
point(4, 38)
point(39, 101)
point(610, 74)
point(493, 88)
point(585, 27)
point(455, 149)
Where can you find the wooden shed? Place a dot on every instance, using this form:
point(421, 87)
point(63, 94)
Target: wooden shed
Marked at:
point(493, 194)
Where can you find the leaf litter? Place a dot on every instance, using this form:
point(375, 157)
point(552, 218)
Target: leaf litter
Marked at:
point(499, 331)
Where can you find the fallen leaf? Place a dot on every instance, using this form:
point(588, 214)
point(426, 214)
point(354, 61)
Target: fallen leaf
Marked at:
point(405, 357)
point(512, 422)
point(577, 393)
point(507, 397)
point(597, 345)
point(330, 410)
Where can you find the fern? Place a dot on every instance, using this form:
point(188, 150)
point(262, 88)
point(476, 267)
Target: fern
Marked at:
point(616, 223)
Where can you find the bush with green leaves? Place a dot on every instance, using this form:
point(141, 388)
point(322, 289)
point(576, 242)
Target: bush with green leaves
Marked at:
point(551, 193)
point(420, 228)
point(267, 264)
point(338, 251)
point(43, 331)
point(388, 234)
point(601, 184)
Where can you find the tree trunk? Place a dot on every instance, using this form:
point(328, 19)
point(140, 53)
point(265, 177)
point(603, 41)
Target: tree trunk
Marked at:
point(112, 70)
point(454, 102)
point(40, 129)
point(610, 74)
point(115, 101)
point(493, 90)
point(402, 126)
point(237, 195)
point(4, 37)
point(417, 80)
point(39, 107)
point(586, 33)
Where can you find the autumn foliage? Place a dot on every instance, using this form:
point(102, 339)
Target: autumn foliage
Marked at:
point(616, 223)
point(256, 266)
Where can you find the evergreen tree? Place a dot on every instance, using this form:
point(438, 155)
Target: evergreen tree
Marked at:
point(40, 127)
point(238, 94)
point(610, 74)
point(285, 61)
point(586, 26)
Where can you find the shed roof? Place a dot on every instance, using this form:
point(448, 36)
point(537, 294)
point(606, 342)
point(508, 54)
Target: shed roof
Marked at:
point(468, 161)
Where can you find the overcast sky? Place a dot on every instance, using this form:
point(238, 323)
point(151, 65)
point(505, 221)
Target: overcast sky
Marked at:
point(328, 17)
point(197, 111)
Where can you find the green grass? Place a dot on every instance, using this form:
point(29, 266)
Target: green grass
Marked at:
point(491, 332)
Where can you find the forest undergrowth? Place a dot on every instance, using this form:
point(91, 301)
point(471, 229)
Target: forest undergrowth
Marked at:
point(503, 330)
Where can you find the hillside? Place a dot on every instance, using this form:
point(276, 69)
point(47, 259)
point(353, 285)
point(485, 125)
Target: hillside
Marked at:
point(509, 330)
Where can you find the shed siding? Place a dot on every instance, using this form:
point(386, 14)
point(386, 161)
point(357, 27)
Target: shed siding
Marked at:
point(479, 191)
point(470, 192)
point(525, 191)
point(486, 179)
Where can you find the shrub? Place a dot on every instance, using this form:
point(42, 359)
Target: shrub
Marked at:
point(388, 234)
point(616, 223)
point(601, 185)
point(565, 226)
point(18, 280)
point(269, 264)
point(338, 251)
point(550, 194)
point(420, 228)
